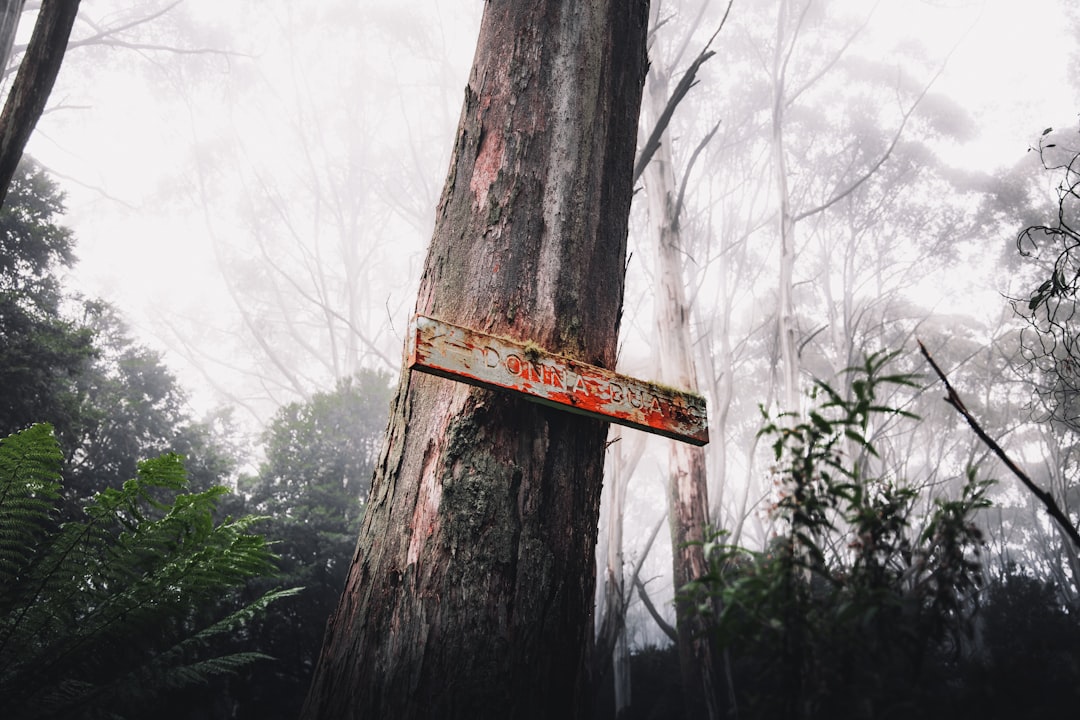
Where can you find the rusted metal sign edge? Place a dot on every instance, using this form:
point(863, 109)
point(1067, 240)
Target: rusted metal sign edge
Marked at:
point(476, 358)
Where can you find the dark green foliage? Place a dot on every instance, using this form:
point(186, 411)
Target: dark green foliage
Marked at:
point(101, 614)
point(110, 400)
point(1022, 663)
point(41, 353)
point(319, 458)
point(73, 363)
point(130, 407)
point(320, 454)
point(32, 246)
point(1026, 662)
point(842, 614)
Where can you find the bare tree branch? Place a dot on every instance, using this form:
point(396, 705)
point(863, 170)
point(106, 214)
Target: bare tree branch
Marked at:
point(104, 32)
point(690, 166)
point(688, 80)
point(110, 42)
point(660, 621)
point(1044, 497)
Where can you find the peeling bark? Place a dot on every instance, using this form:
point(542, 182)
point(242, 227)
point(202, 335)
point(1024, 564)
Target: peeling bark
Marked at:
point(472, 586)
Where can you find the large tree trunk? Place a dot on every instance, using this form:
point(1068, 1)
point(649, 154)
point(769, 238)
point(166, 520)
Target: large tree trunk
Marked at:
point(472, 586)
point(688, 497)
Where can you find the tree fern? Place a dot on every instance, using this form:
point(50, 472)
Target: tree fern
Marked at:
point(29, 487)
point(109, 609)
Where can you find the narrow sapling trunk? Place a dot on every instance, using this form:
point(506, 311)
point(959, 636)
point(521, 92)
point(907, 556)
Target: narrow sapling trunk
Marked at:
point(10, 12)
point(471, 590)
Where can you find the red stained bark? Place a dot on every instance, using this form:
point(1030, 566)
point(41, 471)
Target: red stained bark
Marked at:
point(471, 591)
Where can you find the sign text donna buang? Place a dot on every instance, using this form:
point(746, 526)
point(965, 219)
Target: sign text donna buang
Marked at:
point(468, 356)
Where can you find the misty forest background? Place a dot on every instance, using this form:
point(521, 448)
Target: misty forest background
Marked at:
point(210, 253)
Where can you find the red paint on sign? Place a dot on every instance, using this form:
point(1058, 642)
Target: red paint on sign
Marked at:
point(460, 354)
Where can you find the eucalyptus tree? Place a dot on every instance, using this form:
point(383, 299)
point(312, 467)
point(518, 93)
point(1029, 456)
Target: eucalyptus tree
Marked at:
point(673, 351)
point(471, 590)
point(867, 212)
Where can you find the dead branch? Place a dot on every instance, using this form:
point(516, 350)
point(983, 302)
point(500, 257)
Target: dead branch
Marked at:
point(690, 166)
point(660, 621)
point(1044, 497)
point(688, 80)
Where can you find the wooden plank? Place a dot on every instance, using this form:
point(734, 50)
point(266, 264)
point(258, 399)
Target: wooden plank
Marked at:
point(476, 358)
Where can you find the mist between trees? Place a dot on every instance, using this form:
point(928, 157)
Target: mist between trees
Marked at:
point(844, 547)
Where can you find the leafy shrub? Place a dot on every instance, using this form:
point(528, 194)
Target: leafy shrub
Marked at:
point(839, 616)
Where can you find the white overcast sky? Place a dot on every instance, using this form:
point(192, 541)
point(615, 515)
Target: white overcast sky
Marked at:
point(121, 147)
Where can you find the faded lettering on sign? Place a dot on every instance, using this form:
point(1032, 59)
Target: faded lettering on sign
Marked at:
point(468, 356)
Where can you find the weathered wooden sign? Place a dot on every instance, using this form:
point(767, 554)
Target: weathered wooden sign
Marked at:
point(460, 354)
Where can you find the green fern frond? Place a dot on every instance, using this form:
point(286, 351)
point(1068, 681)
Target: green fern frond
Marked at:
point(142, 572)
point(29, 488)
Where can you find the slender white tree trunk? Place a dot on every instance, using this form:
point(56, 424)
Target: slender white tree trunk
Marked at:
point(785, 304)
point(688, 496)
point(10, 12)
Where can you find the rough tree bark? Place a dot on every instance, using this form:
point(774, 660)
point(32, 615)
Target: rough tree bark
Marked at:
point(688, 498)
point(33, 83)
point(472, 586)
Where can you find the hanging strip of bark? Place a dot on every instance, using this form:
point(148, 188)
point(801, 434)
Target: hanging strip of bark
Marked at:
point(33, 83)
point(1044, 497)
